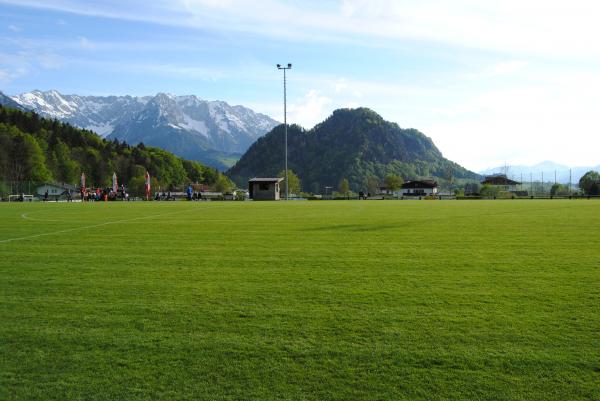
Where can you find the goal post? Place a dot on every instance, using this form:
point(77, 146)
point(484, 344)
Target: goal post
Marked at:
point(17, 198)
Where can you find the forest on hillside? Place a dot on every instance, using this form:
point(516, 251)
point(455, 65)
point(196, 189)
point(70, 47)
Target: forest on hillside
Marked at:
point(353, 144)
point(35, 150)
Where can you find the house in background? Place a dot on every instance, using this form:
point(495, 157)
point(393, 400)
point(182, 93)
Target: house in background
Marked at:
point(502, 182)
point(264, 188)
point(419, 188)
point(55, 190)
point(384, 190)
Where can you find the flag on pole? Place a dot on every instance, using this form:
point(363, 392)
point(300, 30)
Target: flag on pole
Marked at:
point(114, 183)
point(147, 185)
point(83, 182)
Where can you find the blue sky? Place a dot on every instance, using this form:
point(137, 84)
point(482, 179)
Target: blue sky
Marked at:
point(513, 82)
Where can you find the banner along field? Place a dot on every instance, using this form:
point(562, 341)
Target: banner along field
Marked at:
point(330, 300)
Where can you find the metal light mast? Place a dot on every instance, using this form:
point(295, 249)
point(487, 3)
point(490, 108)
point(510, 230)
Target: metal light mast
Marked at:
point(288, 67)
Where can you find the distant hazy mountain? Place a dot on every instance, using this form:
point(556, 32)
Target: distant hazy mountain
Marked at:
point(208, 131)
point(8, 102)
point(352, 143)
point(546, 167)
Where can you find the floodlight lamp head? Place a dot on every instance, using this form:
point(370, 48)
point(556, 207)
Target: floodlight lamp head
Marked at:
point(278, 65)
point(289, 65)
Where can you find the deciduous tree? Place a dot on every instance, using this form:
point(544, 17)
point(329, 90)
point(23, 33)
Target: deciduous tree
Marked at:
point(393, 182)
point(590, 183)
point(344, 187)
point(293, 185)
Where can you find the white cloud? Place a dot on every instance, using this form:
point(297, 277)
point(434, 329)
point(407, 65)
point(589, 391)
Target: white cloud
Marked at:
point(344, 86)
point(15, 28)
point(8, 75)
point(310, 110)
point(551, 120)
point(503, 68)
point(549, 27)
point(547, 115)
point(21, 63)
point(21, 58)
point(545, 27)
point(85, 43)
point(341, 85)
point(510, 104)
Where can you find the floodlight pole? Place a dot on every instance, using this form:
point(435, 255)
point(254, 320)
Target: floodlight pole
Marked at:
point(288, 67)
point(570, 178)
point(531, 183)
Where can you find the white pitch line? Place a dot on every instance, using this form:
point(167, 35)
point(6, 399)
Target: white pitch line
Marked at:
point(4, 241)
point(26, 217)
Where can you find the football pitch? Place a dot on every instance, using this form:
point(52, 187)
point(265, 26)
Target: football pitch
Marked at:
point(324, 300)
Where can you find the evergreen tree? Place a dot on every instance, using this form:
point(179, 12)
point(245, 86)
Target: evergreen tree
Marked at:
point(38, 149)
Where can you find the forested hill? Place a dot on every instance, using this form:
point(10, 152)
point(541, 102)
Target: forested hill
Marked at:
point(352, 143)
point(38, 150)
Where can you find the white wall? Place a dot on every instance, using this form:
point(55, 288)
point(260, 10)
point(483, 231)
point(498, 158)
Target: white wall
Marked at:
point(423, 191)
point(52, 190)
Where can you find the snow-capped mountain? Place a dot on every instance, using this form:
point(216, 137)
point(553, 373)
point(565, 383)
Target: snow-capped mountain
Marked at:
point(96, 113)
point(188, 126)
point(211, 124)
point(8, 102)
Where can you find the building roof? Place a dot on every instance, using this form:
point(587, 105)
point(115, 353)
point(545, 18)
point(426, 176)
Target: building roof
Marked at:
point(420, 184)
point(265, 179)
point(58, 185)
point(499, 180)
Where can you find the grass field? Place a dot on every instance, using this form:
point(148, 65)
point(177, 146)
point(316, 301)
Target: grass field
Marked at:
point(349, 300)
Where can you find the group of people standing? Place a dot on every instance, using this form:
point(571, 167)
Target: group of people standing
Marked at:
point(190, 195)
point(104, 194)
point(92, 195)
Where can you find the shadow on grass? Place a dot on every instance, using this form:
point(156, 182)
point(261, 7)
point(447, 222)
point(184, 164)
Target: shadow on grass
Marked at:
point(421, 221)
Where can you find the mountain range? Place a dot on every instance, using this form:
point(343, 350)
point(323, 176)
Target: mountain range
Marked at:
point(36, 150)
point(356, 144)
point(548, 168)
point(212, 132)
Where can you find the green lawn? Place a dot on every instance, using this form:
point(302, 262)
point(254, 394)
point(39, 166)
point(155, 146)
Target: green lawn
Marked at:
point(348, 300)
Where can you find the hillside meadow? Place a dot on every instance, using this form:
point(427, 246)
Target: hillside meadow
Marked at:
point(330, 300)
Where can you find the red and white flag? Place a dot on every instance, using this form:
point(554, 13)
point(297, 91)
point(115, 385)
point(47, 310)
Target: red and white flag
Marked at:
point(83, 182)
point(147, 184)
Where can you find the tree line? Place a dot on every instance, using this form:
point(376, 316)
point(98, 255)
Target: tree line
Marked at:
point(37, 149)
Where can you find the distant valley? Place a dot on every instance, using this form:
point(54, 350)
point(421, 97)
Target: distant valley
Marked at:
point(548, 168)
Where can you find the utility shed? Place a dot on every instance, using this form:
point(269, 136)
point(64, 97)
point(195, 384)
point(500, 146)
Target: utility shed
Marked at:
point(264, 188)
